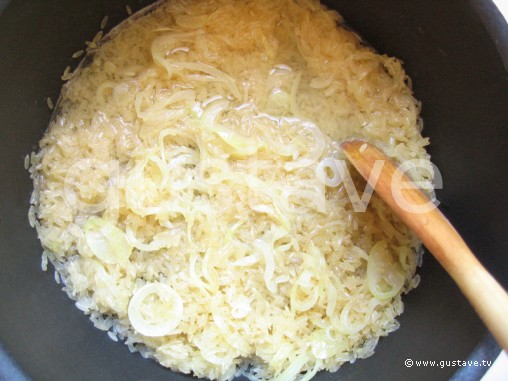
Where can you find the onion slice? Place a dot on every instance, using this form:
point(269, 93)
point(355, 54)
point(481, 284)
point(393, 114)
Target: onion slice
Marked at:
point(155, 310)
point(106, 241)
point(385, 276)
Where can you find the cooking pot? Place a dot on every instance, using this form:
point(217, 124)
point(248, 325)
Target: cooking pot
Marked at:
point(455, 51)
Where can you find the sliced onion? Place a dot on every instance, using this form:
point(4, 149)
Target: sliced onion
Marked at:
point(347, 325)
point(385, 276)
point(143, 313)
point(333, 165)
point(106, 241)
point(239, 145)
point(293, 369)
point(240, 307)
point(268, 255)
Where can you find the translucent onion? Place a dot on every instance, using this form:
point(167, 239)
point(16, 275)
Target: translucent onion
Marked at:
point(106, 241)
point(385, 275)
point(321, 171)
point(155, 310)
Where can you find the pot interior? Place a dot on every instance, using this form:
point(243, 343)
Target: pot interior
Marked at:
point(456, 73)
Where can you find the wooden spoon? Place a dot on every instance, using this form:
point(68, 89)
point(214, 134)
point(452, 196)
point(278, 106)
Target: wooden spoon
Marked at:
point(485, 294)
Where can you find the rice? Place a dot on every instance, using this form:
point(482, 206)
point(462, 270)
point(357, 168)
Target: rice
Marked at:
point(112, 336)
point(44, 261)
point(91, 44)
point(104, 22)
point(49, 102)
point(78, 54)
point(98, 37)
point(66, 74)
point(183, 191)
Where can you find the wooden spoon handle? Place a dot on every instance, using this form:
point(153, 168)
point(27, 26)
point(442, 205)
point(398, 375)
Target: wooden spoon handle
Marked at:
point(487, 297)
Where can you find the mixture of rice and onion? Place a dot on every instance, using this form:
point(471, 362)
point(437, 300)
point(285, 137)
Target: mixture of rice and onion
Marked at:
point(182, 190)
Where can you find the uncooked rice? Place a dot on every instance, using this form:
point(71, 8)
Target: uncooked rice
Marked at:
point(177, 196)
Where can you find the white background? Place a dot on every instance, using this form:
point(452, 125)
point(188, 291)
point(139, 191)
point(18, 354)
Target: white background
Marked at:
point(503, 6)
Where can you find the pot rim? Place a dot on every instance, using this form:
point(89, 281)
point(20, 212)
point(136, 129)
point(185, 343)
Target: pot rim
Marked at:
point(487, 349)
